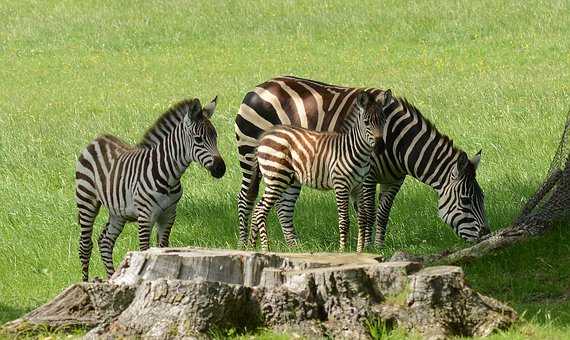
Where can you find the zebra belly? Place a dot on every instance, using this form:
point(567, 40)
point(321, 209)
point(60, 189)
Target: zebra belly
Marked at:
point(163, 203)
point(315, 183)
point(126, 208)
point(117, 203)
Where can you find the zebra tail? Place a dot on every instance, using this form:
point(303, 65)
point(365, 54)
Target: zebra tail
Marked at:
point(253, 187)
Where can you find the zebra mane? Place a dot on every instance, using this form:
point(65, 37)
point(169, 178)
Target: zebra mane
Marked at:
point(415, 111)
point(116, 141)
point(165, 124)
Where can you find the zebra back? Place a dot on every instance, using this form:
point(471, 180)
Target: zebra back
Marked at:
point(299, 102)
point(95, 161)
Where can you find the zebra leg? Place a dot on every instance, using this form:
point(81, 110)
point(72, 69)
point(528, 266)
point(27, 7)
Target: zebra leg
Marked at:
point(271, 195)
point(386, 199)
point(342, 194)
point(357, 196)
point(86, 217)
point(246, 200)
point(112, 230)
point(366, 213)
point(285, 211)
point(164, 226)
point(145, 229)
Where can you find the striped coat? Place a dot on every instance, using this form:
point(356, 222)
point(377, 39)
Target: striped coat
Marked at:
point(323, 160)
point(412, 146)
point(142, 183)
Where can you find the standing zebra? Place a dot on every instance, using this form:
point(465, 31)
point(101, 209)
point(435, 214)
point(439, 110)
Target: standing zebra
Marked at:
point(142, 183)
point(323, 160)
point(411, 146)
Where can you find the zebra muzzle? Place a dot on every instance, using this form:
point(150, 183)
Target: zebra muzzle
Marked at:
point(218, 168)
point(484, 233)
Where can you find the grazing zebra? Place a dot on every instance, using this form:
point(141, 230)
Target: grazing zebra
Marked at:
point(142, 183)
point(323, 160)
point(411, 146)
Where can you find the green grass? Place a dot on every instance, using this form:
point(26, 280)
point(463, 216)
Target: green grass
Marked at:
point(492, 75)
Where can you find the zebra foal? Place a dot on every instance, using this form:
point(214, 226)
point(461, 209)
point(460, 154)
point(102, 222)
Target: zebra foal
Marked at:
point(142, 183)
point(290, 156)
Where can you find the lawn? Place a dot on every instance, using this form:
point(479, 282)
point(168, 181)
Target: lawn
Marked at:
point(493, 75)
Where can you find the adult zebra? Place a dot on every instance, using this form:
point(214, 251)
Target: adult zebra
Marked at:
point(411, 146)
point(142, 183)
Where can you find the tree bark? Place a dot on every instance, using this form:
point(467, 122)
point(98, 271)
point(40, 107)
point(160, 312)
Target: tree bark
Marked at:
point(181, 293)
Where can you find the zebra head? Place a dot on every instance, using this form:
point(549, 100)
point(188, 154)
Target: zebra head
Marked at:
point(461, 200)
point(202, 138)
point(372, 115)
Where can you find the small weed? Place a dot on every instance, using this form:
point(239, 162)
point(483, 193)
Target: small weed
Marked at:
point(399, 299)
point(378, 329)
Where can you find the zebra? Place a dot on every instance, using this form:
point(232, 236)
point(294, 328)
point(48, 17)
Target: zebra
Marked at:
point(321, 160)
point(411, 146)
point(142, 183)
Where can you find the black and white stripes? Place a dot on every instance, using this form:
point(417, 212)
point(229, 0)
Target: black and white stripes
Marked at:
point(142, 183)
point(412, 146)
point(293, 156)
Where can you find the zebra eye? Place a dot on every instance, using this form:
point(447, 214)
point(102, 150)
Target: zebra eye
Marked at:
point(465, 200)
point(198, 139)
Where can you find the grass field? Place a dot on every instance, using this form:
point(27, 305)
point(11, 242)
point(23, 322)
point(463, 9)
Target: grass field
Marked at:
point(494, 75)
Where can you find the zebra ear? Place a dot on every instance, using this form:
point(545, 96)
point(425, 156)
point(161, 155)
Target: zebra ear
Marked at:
point(195, 110)
point(461, 165)
point(210, 107)
point(476, 159)
point(362, 101)
point(387, 96)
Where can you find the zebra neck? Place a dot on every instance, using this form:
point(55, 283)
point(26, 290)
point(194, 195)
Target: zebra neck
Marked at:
point(416, 148)
point(172, 154)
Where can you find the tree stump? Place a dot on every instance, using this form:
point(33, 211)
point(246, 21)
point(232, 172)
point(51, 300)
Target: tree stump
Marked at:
point(188, 292)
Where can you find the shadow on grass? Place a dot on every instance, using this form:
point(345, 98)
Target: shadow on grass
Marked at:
point(533, 277)
point(414, 224)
